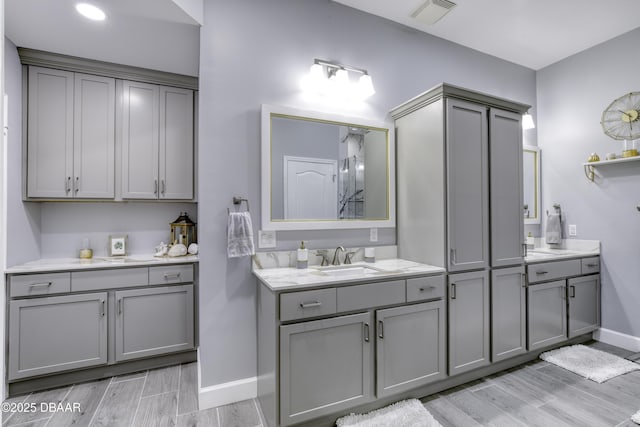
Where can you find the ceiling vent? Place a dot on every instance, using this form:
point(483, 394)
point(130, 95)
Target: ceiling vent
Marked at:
point(432, 11)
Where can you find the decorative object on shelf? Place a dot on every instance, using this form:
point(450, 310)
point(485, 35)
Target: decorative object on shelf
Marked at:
point(118, 245)
point(193, 249)
point(161, 249)
point(611, 156)
point(86, 252)
point(183, 230)
point(588, 169)
point(177, 250)
point(620, 121)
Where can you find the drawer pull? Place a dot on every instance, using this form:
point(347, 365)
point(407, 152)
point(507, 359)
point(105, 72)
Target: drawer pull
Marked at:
point(540, 273)
point(572, 290)
point(428, 288)
point(39, 285)
point(365, 331)
point(380, 329)
point(102, 308)
point(310, 304)
point(591, 265)
point(453, 291)
point(523, 281)
point(120, 306)
point(168, 276)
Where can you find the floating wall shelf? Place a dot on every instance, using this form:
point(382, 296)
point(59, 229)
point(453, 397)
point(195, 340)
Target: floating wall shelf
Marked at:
point(589, 167)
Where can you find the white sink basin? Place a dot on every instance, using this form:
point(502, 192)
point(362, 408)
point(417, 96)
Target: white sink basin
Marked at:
point(348, 270)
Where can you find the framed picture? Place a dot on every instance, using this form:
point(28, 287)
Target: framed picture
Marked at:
point(117, 245)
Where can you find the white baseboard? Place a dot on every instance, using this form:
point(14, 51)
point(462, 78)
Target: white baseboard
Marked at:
point(225, 393)
point(607, 336)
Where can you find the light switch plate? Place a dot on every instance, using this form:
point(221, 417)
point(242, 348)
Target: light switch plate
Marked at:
point(373, 234)
point(573, 230)
point(267, 239)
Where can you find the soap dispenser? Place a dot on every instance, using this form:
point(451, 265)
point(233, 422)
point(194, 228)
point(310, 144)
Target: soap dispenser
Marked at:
point(302, 256)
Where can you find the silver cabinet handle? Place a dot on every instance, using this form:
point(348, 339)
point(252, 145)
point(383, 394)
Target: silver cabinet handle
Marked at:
point(168, 276)
point(155, 187)
point(540, 273)
point(592, 265)
point(523, 280)
point(120, 306)
point(68, 184)
point(452, 256)
point(77, 186)
point(428, 288)
point(102, 308)
point(380, 329)
point(453, 291)
point(524, 250)
point(38, 285)
point(164, 187)
point(572, 291)
point(365, 331)
point(310, 304)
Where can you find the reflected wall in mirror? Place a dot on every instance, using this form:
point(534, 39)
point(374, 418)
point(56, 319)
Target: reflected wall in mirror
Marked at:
point(322, 171)
point(531, 184)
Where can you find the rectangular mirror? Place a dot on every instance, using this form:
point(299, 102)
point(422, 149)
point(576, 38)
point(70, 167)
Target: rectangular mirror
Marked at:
point(324, 171)
point(531, 184)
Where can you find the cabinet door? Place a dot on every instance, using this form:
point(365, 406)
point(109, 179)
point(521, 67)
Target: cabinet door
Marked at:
point(508, 313)
point(154, 321)
point(467, 186)
point(468, 321)
point(507, 222)
point(55, 334)
point(176, 143)
point(547, 314)
point(410, 347)
point(94, 137)
point(140, 140)
point(584, 305)
point(50, 133)
point(325, 366)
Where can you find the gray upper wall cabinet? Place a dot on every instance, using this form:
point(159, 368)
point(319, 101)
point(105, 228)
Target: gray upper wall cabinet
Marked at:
point(451, 144)
point(70, 135)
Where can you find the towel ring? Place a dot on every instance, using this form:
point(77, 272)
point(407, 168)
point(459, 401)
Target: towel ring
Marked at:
point(237, 201)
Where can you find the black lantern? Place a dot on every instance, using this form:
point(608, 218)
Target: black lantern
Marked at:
point(183, 230)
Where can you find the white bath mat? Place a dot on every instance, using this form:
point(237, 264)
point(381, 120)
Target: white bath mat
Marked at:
point(593, 364)
point(406, 413)
point(636, 417)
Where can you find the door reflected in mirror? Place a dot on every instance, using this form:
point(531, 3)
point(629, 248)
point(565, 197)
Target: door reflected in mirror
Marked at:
point(531, 184)
point(325, 173)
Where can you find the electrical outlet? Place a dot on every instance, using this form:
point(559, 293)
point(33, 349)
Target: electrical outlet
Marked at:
point(573, 232)
point(373, 234)
point(266, 239)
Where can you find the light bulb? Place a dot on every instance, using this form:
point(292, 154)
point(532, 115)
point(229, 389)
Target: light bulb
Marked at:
point(365, 86)
point(527, 121)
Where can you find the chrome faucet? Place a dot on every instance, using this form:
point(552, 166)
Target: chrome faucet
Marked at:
point(336, 259)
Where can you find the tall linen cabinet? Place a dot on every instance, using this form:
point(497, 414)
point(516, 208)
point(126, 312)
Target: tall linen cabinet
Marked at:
point(459, 196)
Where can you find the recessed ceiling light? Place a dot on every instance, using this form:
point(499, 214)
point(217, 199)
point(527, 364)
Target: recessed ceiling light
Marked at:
point(90, 11)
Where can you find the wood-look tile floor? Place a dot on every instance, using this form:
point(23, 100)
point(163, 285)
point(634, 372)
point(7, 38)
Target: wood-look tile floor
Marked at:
point(157, 398)
point(534, 394)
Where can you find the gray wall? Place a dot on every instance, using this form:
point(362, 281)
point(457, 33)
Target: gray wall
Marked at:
point(256, 52)
point(571, 97)
point(56, 229)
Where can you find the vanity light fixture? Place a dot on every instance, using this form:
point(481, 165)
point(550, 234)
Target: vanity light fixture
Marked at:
point(90, 11)
point(332, 78)
point(527, 121)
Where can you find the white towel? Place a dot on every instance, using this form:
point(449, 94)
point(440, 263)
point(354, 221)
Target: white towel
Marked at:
point(240, 235)
point(554, 229)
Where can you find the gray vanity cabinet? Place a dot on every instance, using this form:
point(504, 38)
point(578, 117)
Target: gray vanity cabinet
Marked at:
point(70, 135)
point(507, 225)
point(468, 321)
point(325, 366)
point(153, 321)
point(53, 334)
point(508, 313)
point(410, 347)
point(547, 314)
point(157, 142)
point(583, 296)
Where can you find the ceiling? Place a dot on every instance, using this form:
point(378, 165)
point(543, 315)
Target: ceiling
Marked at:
point(532, 33)
point(155, 34)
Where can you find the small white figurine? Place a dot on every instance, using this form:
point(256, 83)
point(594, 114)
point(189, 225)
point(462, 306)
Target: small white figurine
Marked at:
point(178, 250)
point(161, 249)
point(193, 249)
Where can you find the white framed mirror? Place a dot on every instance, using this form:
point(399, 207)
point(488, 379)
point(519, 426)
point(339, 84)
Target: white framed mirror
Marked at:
point(531, 184)
point(325, 171)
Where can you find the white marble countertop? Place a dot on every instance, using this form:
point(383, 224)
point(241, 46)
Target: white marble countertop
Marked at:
point(567, 250)
point(71, 264)
point(288, 278)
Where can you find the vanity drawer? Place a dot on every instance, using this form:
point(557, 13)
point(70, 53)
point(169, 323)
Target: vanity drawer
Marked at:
point(371, 295)
point(300, 305)
point(423, 288)
point(591, 265)
point(170, 274)
point(39, 284)
point(109, 279)
point(553, 270)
